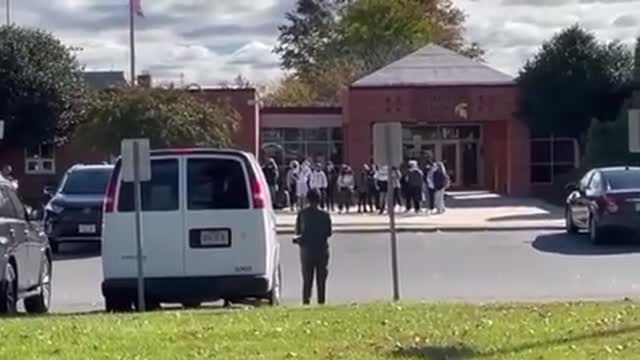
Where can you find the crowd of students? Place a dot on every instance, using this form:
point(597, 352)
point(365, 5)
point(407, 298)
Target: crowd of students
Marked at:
point(342, 189)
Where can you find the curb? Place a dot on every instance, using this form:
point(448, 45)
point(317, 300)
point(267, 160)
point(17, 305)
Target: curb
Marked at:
point(432, 229)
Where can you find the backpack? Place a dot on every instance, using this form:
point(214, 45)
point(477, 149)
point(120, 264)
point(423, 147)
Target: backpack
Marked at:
point(439, 180)
point(414, 179)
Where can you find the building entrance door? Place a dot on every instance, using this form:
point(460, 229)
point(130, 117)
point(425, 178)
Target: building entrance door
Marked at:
point(449, 153)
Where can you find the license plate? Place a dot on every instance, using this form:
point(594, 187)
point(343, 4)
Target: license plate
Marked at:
point(214, 238)
point(86, 229)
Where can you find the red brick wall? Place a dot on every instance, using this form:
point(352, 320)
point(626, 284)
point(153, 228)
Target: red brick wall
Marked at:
point(491, 106)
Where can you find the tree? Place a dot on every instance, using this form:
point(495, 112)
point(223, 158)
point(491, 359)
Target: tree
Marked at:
point(571, 80)
point(41, 88)
point(636, 63)
point(166, 116)
point(324, 38)
point(239, 82)
point(608, 143)
point(290, 91)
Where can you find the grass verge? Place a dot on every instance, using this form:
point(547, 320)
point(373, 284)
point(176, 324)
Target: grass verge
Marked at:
point(380, 331)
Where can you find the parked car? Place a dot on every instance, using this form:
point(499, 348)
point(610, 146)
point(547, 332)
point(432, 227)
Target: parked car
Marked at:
point(25, 256)
point(209, 232)
point(74, 212)
point(605, 199)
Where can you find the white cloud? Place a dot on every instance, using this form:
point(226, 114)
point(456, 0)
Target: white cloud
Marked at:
point(208, 41)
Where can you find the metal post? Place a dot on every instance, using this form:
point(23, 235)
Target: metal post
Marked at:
point(138, 206)
point(132, 40)
point(8, 12)
point(392, 221)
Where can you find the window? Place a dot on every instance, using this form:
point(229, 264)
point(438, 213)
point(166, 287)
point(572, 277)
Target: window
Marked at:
point(288, 144)
point(7, 210)
point(584, 182)
point(159, 194)
point(21, 212)
point(86, 181)
point(623, 179)
point(552, 157)
point(596, 183)
point(216, 184)
point(40, 159)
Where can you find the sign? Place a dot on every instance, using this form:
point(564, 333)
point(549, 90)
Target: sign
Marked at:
point(135, 153)
point(1, 129)
point(136, 168)
point(387, 144)
point(461, 111)
point(634, 131)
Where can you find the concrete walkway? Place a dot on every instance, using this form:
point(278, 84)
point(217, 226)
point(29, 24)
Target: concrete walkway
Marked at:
point(467, 211)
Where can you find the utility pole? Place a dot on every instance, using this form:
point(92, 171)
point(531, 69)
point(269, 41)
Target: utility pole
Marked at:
point(8, 12)
point(132, 41)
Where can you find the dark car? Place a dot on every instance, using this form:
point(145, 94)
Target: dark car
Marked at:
point(25, 256)
point(606, 199)
point(74, 212)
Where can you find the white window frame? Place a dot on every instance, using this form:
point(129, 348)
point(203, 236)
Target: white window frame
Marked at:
point(552, 163)
point(40, 161)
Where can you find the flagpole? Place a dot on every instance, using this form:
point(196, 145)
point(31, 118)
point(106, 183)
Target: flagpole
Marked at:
point(8, 13)
point(132, 44)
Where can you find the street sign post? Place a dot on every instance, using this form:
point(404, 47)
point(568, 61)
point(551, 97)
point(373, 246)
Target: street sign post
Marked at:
point(136, 168)
point(1, 129)
point(634, 131)
point(387, 151)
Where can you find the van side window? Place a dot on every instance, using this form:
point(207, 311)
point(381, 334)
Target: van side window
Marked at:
point(216, 184)
point(17, 204)
point(159, 194)
point(7, 210)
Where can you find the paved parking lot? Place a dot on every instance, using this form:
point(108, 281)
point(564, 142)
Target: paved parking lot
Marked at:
point(436, 266)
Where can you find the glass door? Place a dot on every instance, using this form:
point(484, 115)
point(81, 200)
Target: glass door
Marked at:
point(449, 154)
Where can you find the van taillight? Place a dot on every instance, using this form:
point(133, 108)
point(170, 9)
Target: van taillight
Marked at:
point(110, 195)
point(259, 195)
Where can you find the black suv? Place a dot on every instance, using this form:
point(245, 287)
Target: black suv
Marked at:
point(74, 212)
point(25, 256)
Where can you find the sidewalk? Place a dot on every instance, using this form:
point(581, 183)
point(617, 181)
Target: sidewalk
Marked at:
point(467, 211)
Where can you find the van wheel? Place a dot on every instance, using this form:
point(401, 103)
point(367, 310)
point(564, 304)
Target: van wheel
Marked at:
point(275, 293)
point(114, 303)
point(9, 294)
point(39, 304)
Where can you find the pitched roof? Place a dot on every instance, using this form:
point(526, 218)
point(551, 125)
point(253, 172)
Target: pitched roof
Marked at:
point(100, 80)
point(434, 65)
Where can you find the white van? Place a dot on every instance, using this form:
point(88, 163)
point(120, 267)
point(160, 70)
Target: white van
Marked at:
point(209, 232)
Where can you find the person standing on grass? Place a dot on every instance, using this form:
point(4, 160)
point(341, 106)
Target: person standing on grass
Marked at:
point(318, 182)
point(313, 230)
point(346, 185)
point(414, 186)
point(362, 188)
point(441, 183)
point(332, 185)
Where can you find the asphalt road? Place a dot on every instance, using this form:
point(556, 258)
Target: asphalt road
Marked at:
point(437, 266)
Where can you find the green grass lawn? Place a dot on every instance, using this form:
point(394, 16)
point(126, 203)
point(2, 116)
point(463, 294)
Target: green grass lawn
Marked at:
point(379, 331)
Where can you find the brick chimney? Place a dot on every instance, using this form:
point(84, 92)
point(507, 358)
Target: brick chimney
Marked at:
point(144, 80)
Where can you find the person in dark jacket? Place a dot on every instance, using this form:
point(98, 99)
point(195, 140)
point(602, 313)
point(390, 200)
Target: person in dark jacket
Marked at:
point(415, 179)
point(313, 230)
point(272, 174)
point(429, 168)
point(332, 187)
point(362, 187)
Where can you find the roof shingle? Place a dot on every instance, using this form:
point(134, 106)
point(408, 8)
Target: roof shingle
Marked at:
point(434, 65)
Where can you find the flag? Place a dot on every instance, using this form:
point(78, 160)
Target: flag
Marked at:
point(136, 7)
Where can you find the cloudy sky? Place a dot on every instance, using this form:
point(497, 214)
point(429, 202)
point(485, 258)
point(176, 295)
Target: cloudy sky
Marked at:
point(207, 41)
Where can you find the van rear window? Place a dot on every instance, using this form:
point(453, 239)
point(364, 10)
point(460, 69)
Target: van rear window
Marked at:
point(161, 193)
point(216, 184)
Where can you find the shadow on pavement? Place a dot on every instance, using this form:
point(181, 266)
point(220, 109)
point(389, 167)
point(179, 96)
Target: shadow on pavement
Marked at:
point(524, 217)
point(562, 243)
point(461, 351)
point(77, 251)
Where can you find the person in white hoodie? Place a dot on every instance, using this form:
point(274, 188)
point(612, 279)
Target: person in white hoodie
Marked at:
point(302, 186)
point(318, 181)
